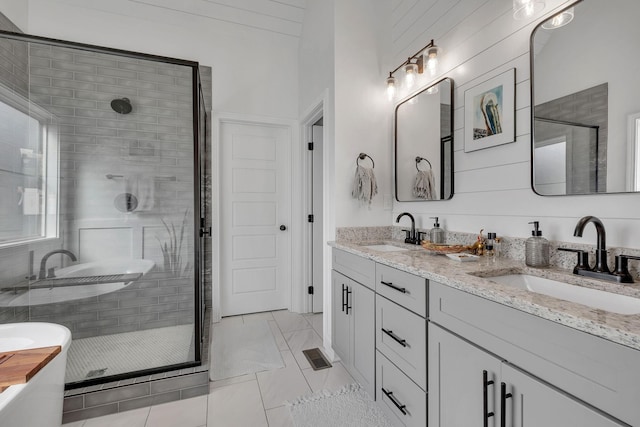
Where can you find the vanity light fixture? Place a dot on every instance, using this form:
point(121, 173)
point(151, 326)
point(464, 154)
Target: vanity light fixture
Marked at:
point(425, 58)
point(523, 9)
point(559, 20)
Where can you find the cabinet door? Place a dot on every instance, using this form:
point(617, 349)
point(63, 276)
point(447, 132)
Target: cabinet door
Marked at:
point(535, 404)
point(340, 322)
point(362, 302)
point(456, 382)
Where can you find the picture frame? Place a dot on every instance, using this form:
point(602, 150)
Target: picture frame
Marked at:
point(489, 112)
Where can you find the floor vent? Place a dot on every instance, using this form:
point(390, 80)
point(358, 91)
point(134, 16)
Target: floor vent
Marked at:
point(316, 359)
point(96, 373)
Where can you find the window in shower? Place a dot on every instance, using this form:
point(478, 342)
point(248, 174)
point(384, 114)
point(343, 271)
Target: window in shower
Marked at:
point(124, 273)
point(28, 171)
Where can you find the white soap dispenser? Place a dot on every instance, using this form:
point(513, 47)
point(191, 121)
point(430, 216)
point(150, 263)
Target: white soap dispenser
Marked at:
point(436, 235)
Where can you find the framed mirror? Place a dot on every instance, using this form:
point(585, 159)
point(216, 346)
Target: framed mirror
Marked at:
point(585, 115)
point(424, 145)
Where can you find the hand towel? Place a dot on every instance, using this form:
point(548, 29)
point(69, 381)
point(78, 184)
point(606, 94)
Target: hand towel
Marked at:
point(364, 185)
point(424, 186)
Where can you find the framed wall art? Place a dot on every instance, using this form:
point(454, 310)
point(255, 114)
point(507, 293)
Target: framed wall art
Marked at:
point(489, 112)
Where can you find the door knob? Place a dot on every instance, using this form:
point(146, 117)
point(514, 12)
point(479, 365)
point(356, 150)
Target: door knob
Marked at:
point(283, 227)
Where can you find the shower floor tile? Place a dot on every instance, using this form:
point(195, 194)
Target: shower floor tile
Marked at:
point(95, 357)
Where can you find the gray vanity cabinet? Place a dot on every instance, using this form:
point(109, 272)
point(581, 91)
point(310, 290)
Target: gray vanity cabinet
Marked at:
point(467, 391)
point(557, 376)
point(353, 318)
point(456, 381)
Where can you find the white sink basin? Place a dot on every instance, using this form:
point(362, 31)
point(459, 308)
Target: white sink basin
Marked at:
point(611, 302)
point(385, 248)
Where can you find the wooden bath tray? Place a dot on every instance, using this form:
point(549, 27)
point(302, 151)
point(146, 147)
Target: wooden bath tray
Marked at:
point(18, 367)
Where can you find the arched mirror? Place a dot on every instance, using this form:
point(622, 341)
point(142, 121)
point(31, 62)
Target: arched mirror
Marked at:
point(586, 112)
point(424, 145)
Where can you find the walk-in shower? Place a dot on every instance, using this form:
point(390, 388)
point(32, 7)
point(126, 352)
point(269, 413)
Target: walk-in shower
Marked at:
point(101, 220)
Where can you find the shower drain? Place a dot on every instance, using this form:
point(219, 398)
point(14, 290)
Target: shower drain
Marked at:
point(316, 359)
point(96, 372)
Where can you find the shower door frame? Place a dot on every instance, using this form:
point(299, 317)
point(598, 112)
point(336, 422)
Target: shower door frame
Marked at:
point(199, 229)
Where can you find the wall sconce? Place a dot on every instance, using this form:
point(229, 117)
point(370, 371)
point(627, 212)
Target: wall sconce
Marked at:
point(523, 9)
point(559, 20)
point(425, 58)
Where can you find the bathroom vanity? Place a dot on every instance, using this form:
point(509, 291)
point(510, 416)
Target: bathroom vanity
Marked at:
point(452, 348)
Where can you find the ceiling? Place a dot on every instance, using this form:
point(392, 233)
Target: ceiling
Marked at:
point(279, 16)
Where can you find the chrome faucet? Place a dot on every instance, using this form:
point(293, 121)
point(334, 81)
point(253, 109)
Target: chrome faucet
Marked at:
point(411, 236)
point(43, 264)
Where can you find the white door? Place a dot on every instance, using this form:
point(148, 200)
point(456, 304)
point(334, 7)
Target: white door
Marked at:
point(317, 233)
point(255, 250)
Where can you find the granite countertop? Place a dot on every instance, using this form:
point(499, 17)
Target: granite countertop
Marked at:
point(474, 278)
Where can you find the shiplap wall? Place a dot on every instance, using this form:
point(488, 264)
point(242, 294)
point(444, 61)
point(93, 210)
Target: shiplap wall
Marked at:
point(480, 40)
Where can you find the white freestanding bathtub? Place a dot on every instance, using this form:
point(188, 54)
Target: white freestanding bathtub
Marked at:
point(39, 401)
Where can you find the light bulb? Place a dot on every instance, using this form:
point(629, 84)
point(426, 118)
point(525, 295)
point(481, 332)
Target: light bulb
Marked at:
point(411, 71)
point(391, 88)
point(432, 60)
point(559, 20)
point(523, 9)
point(433, 90)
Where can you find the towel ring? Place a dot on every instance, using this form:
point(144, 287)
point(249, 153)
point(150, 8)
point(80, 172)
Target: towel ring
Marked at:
point(419, 159)
point(362, 156)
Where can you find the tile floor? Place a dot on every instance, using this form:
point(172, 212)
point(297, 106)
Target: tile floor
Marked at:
point(254, 400)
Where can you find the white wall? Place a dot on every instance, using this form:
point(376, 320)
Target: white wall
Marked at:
point(255, 70)
point(481, 39)
point(362, 122)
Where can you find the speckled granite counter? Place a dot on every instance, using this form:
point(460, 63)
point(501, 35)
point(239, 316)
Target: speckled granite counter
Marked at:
point(474, 278)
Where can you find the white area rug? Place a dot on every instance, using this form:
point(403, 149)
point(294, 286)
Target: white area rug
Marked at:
point(128, 351)
point(238, 349)
point(350, 406)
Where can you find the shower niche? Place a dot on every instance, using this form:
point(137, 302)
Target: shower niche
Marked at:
point(101, 162)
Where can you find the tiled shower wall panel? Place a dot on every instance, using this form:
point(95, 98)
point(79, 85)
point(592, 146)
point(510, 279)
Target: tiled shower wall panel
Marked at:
point(153, 143)
point(154, 139)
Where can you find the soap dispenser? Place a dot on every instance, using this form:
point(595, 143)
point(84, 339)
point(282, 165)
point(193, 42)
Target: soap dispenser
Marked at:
point(436, 235)
point(536, 248)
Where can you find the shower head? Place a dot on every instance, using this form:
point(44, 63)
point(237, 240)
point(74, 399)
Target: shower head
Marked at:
point(121, 105)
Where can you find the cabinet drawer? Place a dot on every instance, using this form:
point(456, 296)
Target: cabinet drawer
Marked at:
point(597, 371)
point(404, 403)
point(402, 337)
point(403, 288)
point(360, 269)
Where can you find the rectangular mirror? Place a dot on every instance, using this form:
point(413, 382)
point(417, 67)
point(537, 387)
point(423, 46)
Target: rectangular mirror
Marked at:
point(585, 117)
point(424, 145)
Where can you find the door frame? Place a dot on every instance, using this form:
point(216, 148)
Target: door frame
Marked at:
point(227, 117)
point(321, 107)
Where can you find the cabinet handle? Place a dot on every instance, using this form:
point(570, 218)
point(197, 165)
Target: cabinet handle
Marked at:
point(343, 304)
point(348, 302)
point(485, 398)
point(392, 286)
point(395, 337)
point(400, 407)
point(503, 404)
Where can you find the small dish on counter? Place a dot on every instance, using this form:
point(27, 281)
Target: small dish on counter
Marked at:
point(442, 248)
point(463, 257)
